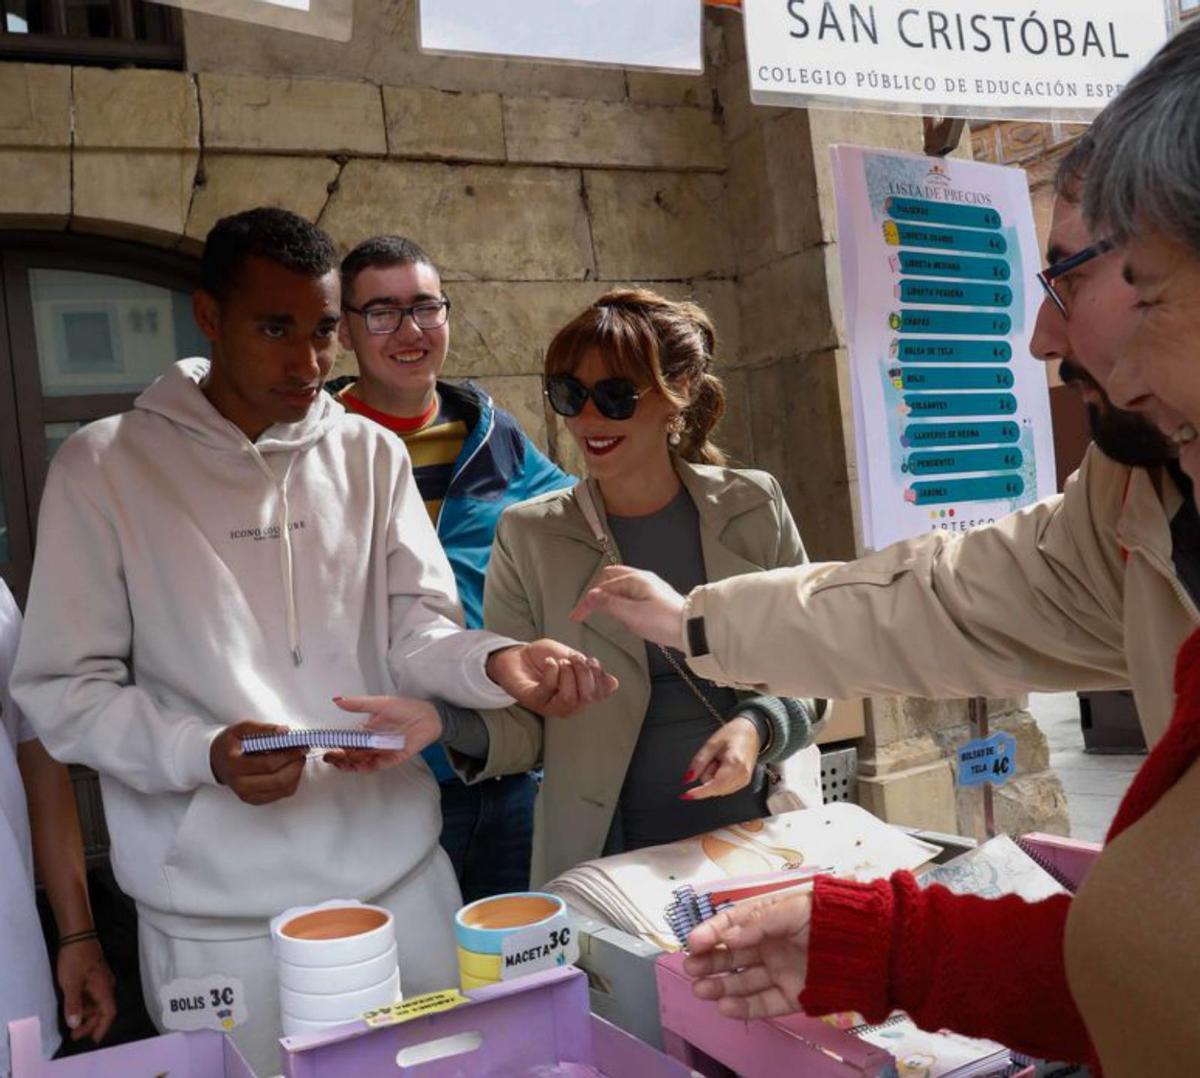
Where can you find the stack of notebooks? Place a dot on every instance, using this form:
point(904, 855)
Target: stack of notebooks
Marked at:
point(633, 891)
point(934, 1055)
point(1000, 866)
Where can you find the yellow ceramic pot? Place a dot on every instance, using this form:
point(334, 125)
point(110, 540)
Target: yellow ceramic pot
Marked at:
point(484, 967)
point(468, 982)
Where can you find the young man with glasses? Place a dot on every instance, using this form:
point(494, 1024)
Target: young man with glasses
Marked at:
point(471, 460)
point(1095, 588)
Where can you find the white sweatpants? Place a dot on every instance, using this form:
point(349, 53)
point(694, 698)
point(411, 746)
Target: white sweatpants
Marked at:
point(422, 904)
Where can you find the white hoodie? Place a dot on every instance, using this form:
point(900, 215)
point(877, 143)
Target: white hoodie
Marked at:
point(164, 606)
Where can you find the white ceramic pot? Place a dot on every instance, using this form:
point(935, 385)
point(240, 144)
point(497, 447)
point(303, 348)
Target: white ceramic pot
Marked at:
point(339, 1006)
point(335, 933)
point(294, 1027)
point(327, 980)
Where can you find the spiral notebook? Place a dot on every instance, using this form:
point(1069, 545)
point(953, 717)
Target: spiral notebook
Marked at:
point(323, 739)
point(920, 1054)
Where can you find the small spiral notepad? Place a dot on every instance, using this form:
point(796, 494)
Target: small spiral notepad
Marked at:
point(323, 739)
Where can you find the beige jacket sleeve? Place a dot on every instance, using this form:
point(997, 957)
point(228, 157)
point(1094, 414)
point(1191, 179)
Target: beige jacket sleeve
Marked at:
point(791, 554)
point(514, 733)
point(1033, 602)
point(791, 550)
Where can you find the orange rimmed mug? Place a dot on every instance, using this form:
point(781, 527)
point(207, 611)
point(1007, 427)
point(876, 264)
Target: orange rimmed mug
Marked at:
point(482, 926)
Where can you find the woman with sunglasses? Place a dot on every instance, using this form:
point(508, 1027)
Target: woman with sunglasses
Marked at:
point(668, 755)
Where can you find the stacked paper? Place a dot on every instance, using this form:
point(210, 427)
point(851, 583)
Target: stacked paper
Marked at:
point(998, 867)
point(632, 890)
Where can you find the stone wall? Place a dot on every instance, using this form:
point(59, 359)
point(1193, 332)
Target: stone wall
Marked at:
point(539, 185)
point(536, 187)
point(1037, 148)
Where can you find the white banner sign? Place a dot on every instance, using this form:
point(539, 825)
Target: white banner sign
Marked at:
point(1059, 60)
point(332, 20)
point(662, 34)
point(951, 411)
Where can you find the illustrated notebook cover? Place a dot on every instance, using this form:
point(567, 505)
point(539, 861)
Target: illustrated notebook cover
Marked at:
point(998, 867)
point(920, 1054)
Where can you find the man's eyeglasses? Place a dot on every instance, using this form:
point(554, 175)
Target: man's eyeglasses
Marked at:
point(429, 314)
point(615, 398)
point(1060, 269)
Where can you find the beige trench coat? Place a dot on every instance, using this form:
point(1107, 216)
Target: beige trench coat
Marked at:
point(544, 558)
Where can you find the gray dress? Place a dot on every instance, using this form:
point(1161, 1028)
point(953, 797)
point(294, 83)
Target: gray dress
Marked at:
point(650, 810)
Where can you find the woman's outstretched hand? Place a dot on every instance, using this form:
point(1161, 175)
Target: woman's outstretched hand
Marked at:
point(753, 959)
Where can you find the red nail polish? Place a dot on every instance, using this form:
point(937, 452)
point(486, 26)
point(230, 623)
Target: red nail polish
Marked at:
point(337, 699)
point(689, 777)
point(686, 796)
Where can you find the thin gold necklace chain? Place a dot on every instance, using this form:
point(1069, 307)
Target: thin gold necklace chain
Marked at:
point(666, 654)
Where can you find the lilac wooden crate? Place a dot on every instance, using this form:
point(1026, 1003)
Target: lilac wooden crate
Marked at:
point(507, 1029)
point(200, 1054)
point(697, 1034)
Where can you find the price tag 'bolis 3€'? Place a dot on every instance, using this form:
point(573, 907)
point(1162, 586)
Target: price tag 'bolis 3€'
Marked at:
point(214, 1002)
point(545, 946)
point(991, 759)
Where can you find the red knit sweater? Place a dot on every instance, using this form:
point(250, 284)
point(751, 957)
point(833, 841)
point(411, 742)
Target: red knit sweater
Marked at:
point(984, 967)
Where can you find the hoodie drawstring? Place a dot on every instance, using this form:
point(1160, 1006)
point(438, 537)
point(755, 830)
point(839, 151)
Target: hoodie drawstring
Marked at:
point(286, 563)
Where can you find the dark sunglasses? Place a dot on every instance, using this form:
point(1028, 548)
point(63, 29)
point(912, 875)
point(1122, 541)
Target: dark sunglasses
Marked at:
point(615, 398)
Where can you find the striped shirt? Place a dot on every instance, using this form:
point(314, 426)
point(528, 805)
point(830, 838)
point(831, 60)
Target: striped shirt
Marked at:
point(434, 442)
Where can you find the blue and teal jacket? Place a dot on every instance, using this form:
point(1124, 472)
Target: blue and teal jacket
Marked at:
point(498, 466)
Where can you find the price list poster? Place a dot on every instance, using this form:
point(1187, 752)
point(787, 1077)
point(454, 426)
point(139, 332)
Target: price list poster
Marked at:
point(951, 411)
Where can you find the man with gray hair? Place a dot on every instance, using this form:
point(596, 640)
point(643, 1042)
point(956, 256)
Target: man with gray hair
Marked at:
point(1090, 589)
point(1106, 975)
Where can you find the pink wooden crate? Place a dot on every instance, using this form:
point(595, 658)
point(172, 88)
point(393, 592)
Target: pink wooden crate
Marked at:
point(695, 1032)
point(510, 1028)
point(796, 1044)
point(200, 1054)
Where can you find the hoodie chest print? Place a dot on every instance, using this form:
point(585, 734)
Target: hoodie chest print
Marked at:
point(271, 531)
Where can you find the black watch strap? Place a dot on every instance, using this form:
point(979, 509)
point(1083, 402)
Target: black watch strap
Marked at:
point(697, 638)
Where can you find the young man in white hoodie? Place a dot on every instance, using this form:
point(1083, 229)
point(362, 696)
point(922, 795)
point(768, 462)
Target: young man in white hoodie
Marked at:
point(238, 553)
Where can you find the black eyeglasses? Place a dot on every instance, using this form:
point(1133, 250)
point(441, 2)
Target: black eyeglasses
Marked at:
point(429, 314)
point(615, 398)
point(1051, 273)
